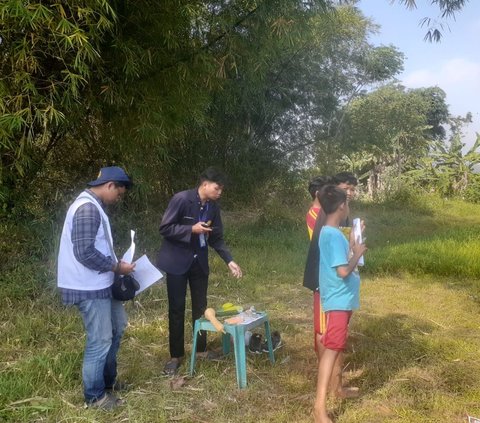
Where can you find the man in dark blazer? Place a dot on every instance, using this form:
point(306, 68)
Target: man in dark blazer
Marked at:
point(191, 223)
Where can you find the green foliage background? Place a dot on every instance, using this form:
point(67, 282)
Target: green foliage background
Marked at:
point(167, 89)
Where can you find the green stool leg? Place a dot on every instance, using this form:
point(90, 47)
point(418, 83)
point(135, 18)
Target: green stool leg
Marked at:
point(226, 343)
point(194, 347)
point(269, 341)
point(240, 357)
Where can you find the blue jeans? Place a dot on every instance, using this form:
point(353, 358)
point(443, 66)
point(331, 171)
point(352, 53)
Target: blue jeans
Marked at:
point(104, 321)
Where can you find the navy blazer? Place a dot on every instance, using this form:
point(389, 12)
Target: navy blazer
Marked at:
point(180, 245)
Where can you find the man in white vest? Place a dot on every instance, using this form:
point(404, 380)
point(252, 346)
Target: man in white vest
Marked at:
point(86, 268)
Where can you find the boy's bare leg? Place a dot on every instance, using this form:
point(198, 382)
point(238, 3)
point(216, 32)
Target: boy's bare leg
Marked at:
point(325, 369)
point(336, 384)
point(320, 348)
point(336, 379)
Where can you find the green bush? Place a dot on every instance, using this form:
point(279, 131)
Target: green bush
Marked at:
point(472, 192)
point(407, 197)
point(280, 201)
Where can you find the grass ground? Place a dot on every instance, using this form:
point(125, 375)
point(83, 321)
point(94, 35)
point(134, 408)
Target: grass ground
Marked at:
point(413, 349)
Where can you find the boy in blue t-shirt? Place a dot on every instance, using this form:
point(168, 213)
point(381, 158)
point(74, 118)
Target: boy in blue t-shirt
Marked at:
point(339, 290)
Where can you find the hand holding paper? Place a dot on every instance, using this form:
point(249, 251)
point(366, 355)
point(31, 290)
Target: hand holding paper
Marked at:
point(144, 272)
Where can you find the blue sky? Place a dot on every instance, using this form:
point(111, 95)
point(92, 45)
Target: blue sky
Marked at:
point(453, 64)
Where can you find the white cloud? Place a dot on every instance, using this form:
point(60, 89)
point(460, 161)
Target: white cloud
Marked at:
point(454, 74)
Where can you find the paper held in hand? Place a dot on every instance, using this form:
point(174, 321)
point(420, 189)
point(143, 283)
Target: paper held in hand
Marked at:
point(357, 233)
point(128, 256)
point(145, 273)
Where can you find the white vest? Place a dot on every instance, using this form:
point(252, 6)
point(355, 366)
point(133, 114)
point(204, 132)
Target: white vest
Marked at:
point(71, 273)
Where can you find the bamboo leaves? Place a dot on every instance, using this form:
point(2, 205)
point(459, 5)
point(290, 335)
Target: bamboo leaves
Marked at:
point(47, 53)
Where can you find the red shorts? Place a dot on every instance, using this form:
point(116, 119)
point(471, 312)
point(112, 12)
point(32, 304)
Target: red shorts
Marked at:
point(335, 337)
point(319, 317)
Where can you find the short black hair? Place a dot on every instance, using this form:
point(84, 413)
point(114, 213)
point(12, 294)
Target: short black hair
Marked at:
point(317, 183)
point(212, 174)
point(123, 184)
point(345, 178)
point(331, 197)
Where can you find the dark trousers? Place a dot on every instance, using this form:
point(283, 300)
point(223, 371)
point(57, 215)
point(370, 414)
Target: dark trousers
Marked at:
point(177, 292)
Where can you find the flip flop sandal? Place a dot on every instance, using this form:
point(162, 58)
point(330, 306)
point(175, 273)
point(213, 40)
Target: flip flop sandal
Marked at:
point(171, 368)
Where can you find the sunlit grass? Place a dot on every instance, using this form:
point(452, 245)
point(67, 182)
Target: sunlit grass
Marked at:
point(413, 351)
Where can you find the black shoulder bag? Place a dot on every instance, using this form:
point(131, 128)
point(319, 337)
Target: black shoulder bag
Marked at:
point(124, 287)
point(311, 273)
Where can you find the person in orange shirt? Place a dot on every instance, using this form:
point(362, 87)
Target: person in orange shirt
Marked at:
point(319, 320)
point(314, 187)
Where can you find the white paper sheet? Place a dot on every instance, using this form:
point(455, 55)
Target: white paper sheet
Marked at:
point(145, 273)
point(357, 231)
point(128, 256)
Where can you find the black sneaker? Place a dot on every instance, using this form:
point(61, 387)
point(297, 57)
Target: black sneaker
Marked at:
point(276, 342)
point(255, 344)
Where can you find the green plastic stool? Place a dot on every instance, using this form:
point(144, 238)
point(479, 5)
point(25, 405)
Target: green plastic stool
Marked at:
point(237, 332)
